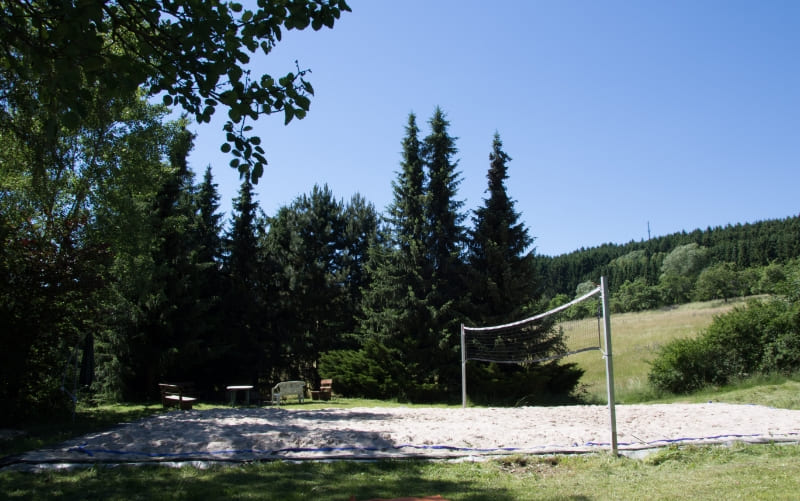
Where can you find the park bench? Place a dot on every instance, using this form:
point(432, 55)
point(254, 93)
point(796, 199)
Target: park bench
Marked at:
point(325, 390)
point(173, 395)
point(286, 389)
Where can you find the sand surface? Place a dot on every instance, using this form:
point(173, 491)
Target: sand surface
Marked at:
point(243, 434)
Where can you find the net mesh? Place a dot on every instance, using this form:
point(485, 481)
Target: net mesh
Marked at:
point(571, 328)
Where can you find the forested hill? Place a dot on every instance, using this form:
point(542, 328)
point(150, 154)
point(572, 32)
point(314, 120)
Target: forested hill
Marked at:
point(745, 246)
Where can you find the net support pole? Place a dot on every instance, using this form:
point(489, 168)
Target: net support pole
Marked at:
point(463, 369)
point(609, 365)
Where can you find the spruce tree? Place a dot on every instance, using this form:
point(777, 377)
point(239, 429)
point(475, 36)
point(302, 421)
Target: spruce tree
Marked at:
point(394, 307)
point(503, 274)
point(209, 220)
point(503, 287)
point(210, 282)
point(167, 321)
point(245, 301)
point(446, 233)
point(436, 347)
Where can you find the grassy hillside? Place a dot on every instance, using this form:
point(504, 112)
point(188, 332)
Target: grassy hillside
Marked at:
point(635, 339)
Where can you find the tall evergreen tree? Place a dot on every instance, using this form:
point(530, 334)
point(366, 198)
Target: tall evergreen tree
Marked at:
point(209, 285)
point(437, 346)
point(446, 233)
point(502, 267)
point(407, 211)
point(394, 308)
point(166, 329)
point(397, 264)
point(502, 285)
point(245, 301)
point(209, 220)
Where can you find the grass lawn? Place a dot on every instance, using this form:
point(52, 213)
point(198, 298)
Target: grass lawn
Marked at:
point(736, 472)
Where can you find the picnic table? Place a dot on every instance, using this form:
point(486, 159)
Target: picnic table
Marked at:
point(234, 389)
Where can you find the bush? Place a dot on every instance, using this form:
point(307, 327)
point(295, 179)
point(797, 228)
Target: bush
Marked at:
point(362, 373)
point(764, 337)
point(511, 384)
point(686, 365)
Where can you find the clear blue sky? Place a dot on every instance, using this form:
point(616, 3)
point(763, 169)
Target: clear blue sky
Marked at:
point(683, 114)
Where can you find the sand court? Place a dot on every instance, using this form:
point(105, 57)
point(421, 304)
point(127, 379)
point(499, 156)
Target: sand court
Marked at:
point(257, 434)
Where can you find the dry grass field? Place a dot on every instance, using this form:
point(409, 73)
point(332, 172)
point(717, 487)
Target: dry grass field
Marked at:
point(635, 339)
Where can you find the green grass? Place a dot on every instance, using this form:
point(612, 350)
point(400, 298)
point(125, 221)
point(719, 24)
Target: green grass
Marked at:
point(738, 471)
point(635, 339)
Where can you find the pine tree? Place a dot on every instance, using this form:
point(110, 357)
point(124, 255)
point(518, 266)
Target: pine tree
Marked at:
point(210, 283)
point(168, 317)
point(504, 280)
point(394, 307)
point(436, 348)
point(245, 303)
point(209, 220)
point(446, 233)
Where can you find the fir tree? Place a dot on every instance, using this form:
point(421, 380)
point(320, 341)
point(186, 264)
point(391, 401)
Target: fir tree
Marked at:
point(394, 307)
point(168, 316)
point(210, 221)
point(503, 272)
point(446, 233)
point(245, 298)
point(436, 347)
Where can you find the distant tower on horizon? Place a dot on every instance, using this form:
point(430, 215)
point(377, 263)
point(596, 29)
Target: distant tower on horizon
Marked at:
point(648, 230)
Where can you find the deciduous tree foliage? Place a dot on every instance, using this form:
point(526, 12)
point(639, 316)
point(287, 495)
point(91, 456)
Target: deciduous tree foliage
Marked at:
point(194, 53)
point(70, 212)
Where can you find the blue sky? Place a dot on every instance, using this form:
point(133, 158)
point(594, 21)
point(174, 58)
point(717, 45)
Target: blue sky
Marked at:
point(680, 114)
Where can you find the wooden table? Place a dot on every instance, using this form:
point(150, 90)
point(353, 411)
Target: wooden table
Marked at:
point(233, 390)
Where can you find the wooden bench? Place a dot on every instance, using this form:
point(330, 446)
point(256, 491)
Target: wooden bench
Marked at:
point(325, 390)
point(172, 395)
point(287, 389)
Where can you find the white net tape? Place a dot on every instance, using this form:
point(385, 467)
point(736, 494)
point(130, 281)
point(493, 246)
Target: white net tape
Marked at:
point(548, 336)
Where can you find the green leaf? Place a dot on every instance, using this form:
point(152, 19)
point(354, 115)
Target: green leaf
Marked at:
point(225, 148)
point(258, 171)
point(167, 100)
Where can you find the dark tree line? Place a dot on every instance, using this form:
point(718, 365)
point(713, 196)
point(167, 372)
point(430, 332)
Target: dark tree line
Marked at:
point(715, 263)
point(115, 254)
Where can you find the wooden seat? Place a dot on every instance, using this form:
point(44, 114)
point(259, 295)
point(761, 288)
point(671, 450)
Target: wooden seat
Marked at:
point(325, 391)
point(172, 395)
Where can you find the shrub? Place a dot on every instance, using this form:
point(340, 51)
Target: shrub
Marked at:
point(763, 337)
point(686, 365)
point(362, 373)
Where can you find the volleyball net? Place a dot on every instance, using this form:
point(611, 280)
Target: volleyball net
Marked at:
point(581, 325)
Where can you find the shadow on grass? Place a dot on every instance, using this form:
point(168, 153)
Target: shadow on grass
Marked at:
point(333, 481)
